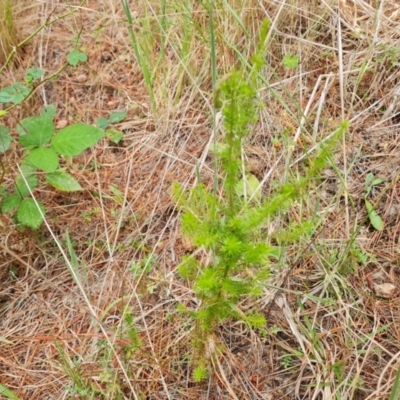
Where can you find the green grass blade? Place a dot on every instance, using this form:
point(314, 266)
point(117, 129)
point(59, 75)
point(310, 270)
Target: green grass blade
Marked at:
point(7, 393)
point(141, 57)
point(395, 393)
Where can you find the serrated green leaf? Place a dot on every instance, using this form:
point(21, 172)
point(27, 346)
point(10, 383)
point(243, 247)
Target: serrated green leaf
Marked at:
point(74, 139)
point(250, 187)
point(49, 111)
point(35, 131)
point(102, 123)
point(5, 139)
point(29, 215)
point(15, 93)
point(32, 75)
point(10, 203)
point(75, 57)
point(375, 219)
point(18, 98)
point(63, 181)
point(27, 168)
point(114, 135)
point(44, 158)
point(5, 97)
point(117, 116)
point(31, 179)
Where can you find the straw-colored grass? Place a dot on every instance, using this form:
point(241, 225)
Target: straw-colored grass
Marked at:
point(8, 30)
point(106, 326)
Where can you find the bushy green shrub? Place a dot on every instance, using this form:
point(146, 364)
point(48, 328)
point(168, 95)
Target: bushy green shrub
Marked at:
point(227, 224)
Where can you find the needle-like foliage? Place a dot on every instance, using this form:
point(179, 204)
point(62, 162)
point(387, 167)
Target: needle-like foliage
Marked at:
point(228, 226)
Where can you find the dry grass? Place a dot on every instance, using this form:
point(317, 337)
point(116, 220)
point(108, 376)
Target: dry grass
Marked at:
point(17, 20)
point(65, 334)
point(8, 31)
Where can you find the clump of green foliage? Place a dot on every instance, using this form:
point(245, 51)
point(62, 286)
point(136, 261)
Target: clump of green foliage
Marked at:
point(44, 147)
point(229, 225)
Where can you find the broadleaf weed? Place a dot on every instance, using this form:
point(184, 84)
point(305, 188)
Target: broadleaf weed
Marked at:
point(43, 149)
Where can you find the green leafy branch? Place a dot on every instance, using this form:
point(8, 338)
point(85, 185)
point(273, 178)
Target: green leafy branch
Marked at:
point(18, 92)
point(228, 226)
point(43, 149)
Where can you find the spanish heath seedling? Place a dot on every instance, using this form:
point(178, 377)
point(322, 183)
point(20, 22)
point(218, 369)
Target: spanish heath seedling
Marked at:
point(228, 225)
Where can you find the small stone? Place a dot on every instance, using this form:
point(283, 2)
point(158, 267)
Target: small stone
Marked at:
point(393, 210)
point(329, 174)
point(106, 56)
point(113, 103)
point(379, 276)
point(62, 123)
point(385, 290)
point(81, 78)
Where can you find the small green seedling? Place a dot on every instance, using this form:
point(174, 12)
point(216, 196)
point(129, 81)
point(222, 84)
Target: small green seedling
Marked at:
point(113, 135)
point(43, 151)
point(32, 75)
point(290, 62)
point(15, 93)
point(5, 139)
point(75, 57)
point(18, 92)
point(227, 220)
point(375, 219)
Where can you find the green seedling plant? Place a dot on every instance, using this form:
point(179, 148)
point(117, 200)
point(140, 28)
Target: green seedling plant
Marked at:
point(43, 147)
point(75, 57)
point(18, 92)
point(113, 135)
point(291, 62)
point(229, 225)
point(43, 150)
point(375, 219)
